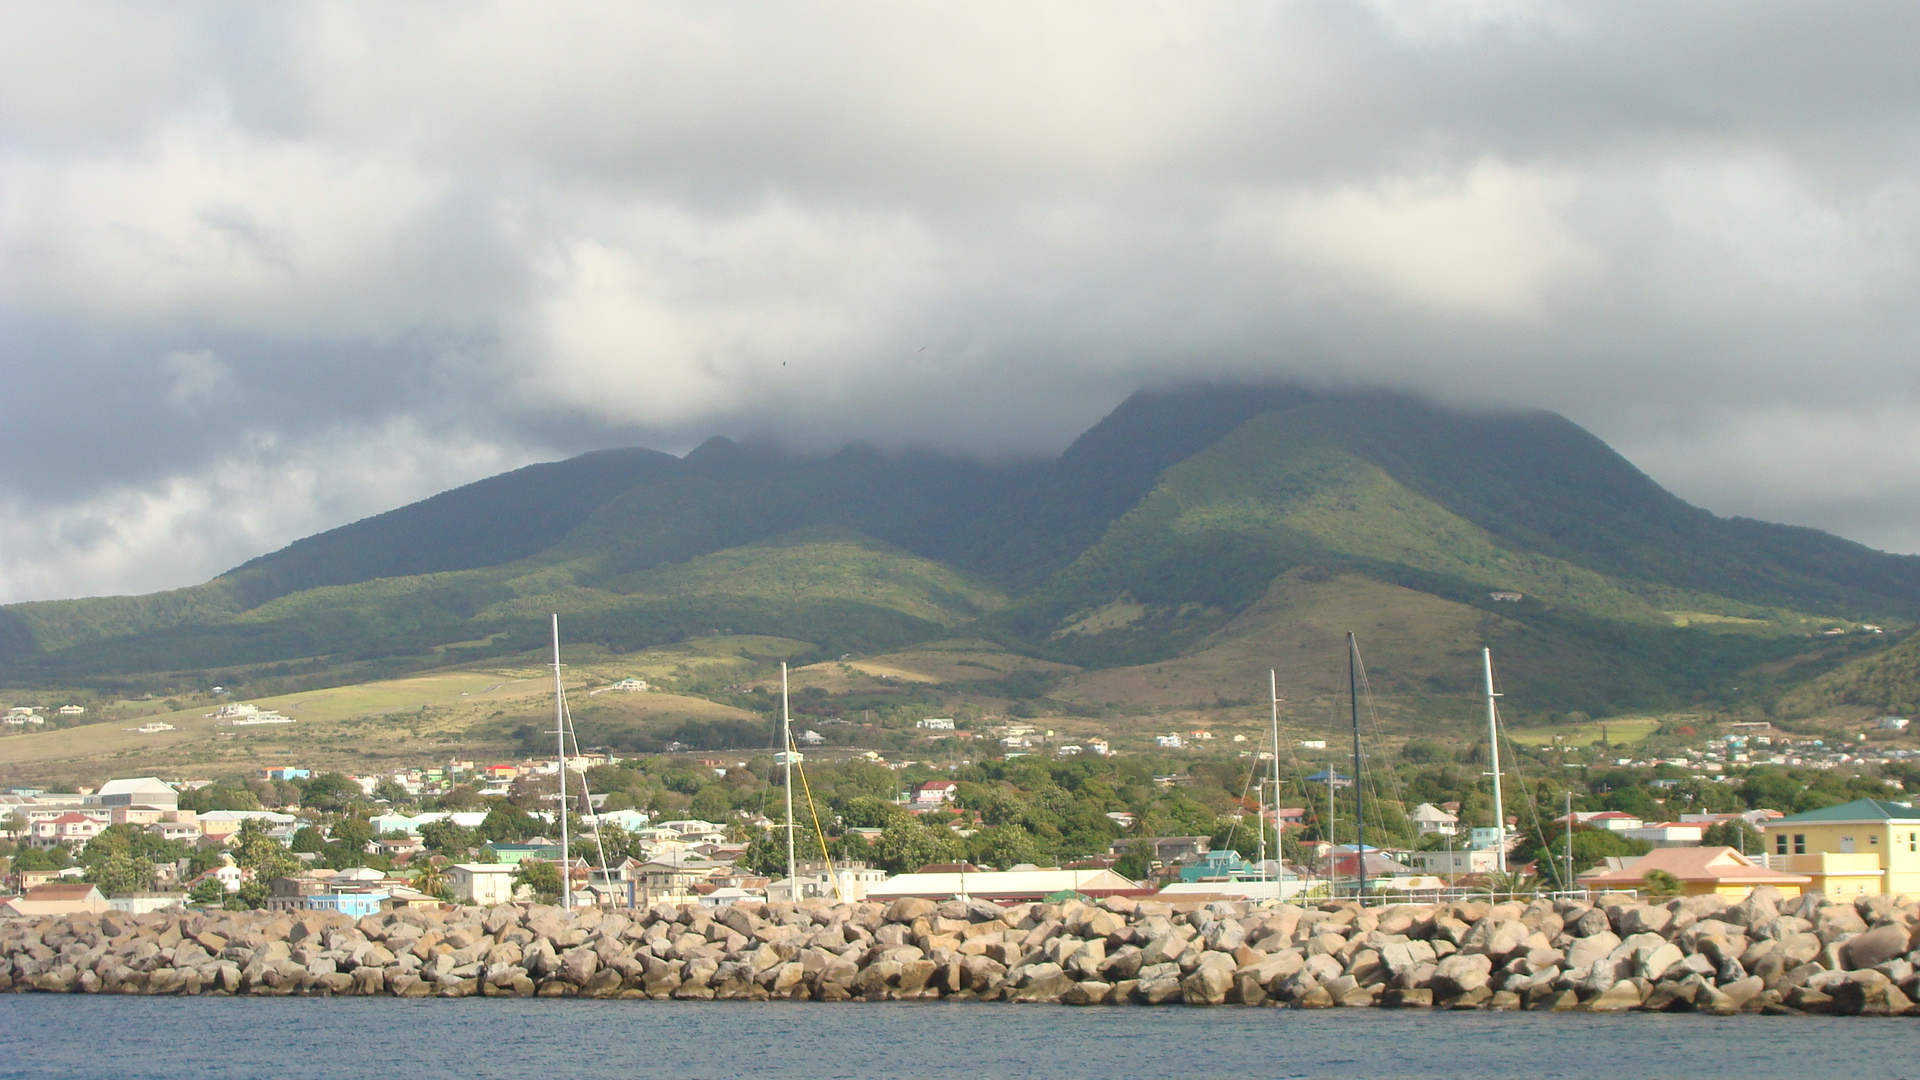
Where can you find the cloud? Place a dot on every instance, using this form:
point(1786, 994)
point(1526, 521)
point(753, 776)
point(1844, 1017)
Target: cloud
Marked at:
point(241, 245)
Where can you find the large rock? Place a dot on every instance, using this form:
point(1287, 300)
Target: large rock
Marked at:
point(1642, 919)
point(1208, 985)
point(1461, 973)
point(1875, 947)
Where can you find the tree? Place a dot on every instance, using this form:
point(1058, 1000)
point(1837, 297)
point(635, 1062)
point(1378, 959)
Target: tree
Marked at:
point(257, 851)
point(540, 876)
point(507, 823)
point(353, 833)
point(330, 791)
point(1002, 846)
point(207, 892)
point(1734, 833)
point(432, 880)
point(56, 858)
point(389, 791)
point(446, 838)
point(1661, 885)
point(906, 846)
point(308, 839)
point(121, 873)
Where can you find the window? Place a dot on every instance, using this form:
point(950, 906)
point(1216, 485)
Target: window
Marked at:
point(1799, 843)
point(1873, 841)
point(1780, 844)
point(1846, 845)
point(1913, 842)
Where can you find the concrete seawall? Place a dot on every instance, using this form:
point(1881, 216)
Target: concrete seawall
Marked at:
point(1692, 954)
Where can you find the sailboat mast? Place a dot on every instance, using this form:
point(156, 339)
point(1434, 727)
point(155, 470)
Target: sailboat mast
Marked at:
point(1493, 744)
point(1359, 807)
point(786, 743)
point(1273, 691)
point(560, 740)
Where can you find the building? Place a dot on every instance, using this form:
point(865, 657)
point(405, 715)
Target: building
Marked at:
point(1168, 742)
point(1891, 723)
point(1701, 871)
point(630, 686)
point(72, 828)
point(1221, 865)
point(1668, 833)
point(853, 879)
point(1007, 886)
point(935, 793)
point(143, 791)
point(481, 883)
point(1865, 847)
point(58, 898)
point(1433, 821)
point(935, 723)
point(141, 903)
point(1458, 862)
point(72, 710)
point(1162, 851)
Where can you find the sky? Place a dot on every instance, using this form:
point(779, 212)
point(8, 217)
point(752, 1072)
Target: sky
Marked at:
point(267, 269)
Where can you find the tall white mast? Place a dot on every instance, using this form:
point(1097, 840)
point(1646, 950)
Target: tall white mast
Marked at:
point(1493, 743)
point(560, 739)
point(1273, 691)
point(786, 743)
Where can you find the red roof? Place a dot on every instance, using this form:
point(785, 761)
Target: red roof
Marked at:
point(1718, 865)
point(60, 891)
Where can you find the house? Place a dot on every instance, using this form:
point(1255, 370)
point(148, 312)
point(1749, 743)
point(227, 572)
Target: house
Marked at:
point(1433, 821)
point(935, 793)
point(1865, 847)
point(140, 903)
point(1328, 776)
point(1891, 723)
point(58, 898)
point(229, 876)
point(286, 772)
point(630, 686)
point(1668, 833)
point(935, 723)
point(1007, 886)
point(481, 883)
point(1506, 596)
point(1610, 820)
point(1161, 851)
point(673, 878)
point(72, 710)
point(1168, 742)
point(1458, 861)
point(143, 791)
point(72, 828)
point(853, 881)
point(1218, 866)
point(1701, 871)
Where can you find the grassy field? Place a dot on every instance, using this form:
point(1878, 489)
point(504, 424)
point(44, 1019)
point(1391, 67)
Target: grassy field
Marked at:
point(1619, 730)
point(462, 712)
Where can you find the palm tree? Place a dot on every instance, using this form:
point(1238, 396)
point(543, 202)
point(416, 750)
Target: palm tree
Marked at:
point(431, 879)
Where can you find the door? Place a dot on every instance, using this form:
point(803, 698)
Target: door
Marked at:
point(1846, 845)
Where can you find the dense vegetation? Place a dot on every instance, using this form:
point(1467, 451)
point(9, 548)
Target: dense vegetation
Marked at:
point(1145, 540)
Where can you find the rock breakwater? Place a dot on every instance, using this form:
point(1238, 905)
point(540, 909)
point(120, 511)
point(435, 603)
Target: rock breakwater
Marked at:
point(1765, 953)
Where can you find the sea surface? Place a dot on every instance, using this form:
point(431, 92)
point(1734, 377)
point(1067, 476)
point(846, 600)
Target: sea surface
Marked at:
point(75, 1037)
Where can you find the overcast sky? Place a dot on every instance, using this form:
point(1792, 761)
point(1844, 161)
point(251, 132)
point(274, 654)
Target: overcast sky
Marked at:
point(268, 268)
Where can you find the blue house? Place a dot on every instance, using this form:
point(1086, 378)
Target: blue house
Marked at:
point(351, 904)
point(1219, 866)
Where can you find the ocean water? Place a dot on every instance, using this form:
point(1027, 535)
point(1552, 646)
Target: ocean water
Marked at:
point(74, 1037)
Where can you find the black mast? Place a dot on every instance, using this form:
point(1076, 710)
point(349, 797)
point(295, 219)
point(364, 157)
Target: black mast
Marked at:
point(1359, 810)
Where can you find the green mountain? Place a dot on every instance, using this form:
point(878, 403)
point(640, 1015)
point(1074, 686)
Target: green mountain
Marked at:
point(1186, 521)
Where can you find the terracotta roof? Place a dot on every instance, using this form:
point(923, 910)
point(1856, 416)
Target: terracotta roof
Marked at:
point(1715, 864)
point(60, 891)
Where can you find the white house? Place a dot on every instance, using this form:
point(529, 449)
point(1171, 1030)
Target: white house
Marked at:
point(481, 883)
point(1432, 821)
point(936, 723)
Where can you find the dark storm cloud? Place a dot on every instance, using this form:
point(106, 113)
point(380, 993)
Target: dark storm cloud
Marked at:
point(263, 270)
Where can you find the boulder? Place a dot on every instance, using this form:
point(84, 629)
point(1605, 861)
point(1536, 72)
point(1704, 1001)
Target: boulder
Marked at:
point(1460, 974)
point(1875, 947)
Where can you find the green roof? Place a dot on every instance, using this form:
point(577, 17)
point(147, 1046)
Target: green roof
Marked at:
point(1857, 810)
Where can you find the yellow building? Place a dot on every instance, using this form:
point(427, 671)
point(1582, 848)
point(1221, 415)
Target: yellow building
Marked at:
point(1865, 847)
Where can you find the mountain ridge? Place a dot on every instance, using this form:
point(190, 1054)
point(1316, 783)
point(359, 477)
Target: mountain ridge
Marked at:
point(1177, 511)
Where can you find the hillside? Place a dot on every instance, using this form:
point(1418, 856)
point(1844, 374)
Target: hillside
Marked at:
point(1166, 559)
